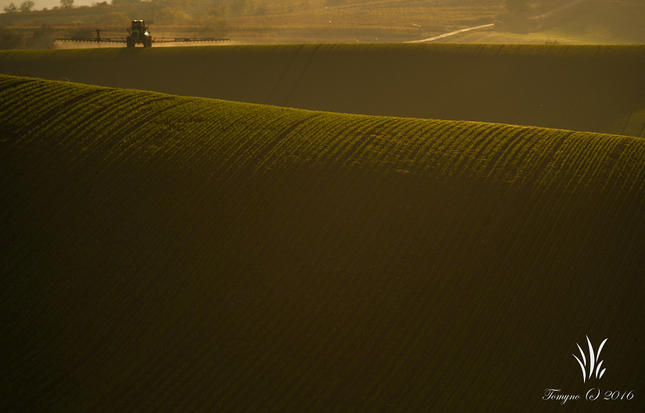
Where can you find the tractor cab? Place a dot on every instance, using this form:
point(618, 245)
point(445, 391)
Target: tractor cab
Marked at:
point(138, 29)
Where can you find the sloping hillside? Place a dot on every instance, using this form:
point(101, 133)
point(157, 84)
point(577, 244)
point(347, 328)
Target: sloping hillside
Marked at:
point(164, 253)
point(585, 88)
point(587, 22)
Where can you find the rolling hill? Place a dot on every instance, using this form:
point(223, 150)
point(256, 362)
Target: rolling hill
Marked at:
point(584, 88)
point(164, 253)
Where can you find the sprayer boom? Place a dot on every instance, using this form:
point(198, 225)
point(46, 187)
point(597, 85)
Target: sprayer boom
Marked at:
point(138, 34)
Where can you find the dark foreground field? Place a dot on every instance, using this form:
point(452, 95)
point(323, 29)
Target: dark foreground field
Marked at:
point(172, 254)
point(583, 88)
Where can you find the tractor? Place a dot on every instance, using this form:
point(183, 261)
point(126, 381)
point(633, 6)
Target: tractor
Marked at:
point(138, 34)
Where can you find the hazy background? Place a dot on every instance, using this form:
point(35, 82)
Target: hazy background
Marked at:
point(39, 4)
point(335, 21)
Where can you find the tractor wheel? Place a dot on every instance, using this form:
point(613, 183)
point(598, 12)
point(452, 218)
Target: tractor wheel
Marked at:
point(129, 42)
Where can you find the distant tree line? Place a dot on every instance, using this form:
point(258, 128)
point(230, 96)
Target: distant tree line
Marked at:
point(42, 38)
point(24, 7)
point(28, 5)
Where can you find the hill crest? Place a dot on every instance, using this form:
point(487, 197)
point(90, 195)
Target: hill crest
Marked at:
point(585, 88)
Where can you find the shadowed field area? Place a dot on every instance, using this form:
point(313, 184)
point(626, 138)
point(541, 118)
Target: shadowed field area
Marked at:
point(584, 88)
point(165, 253)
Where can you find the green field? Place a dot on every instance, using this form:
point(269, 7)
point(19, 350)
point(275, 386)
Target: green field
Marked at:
point(584, 88)
point(176, 254)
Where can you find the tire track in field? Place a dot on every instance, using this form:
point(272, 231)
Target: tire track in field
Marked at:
point(302, 75)
point(298, 77)
point(283, 76)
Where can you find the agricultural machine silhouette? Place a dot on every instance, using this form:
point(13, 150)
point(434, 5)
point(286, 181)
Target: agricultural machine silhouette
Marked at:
point(138, 34)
